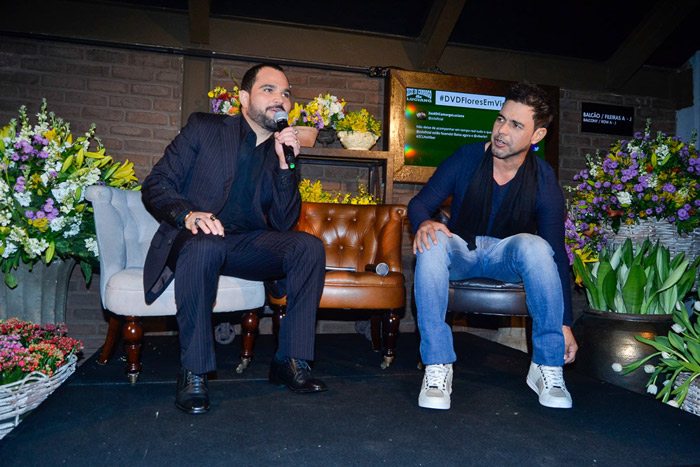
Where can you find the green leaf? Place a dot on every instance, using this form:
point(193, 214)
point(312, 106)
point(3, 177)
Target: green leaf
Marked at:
point(86, 267)
point(633, 290)
point(10, 280)
point(608, 289)
point(50, 251)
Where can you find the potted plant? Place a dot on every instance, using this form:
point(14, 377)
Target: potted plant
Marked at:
point(358, 130)
point(675, 374)
point(645, 187)
point(44, 217)
point(320, 114)
point(630, 290)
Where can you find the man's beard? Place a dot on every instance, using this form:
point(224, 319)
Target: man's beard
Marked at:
point(261, 118)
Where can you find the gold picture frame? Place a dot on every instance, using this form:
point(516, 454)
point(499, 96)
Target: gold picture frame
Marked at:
point(400, 80)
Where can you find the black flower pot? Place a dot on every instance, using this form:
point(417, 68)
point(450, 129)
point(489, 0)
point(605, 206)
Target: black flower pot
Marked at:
point(327, 136)
point(606, 338)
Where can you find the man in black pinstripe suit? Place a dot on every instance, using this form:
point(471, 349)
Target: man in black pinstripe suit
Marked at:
point(227, 201)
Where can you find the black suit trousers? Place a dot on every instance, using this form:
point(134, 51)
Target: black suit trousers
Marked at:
point(200, 259)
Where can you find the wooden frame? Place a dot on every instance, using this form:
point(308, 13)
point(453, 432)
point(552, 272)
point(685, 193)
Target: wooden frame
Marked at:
point(399, 80)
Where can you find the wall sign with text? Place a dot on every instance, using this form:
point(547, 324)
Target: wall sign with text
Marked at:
point(607, 119)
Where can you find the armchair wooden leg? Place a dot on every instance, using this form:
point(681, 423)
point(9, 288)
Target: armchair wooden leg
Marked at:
point(133, 335)
point(249, 329)
point(277, 316)
point(110, 345)
point(375, 326)
point(391, 332)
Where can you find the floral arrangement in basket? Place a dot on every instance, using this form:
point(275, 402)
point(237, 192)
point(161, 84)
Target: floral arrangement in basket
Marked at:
point(360, 120)
point(26, 348)
point(314, 193)
point(43, 213)
point(680, 356)
point(648, 177)
point(321, 112)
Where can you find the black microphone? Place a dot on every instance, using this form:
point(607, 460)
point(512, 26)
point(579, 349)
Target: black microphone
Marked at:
point(280, 119)
point(381, 269)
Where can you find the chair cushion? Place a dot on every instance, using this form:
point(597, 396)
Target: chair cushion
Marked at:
point(363, 291)
point(125, 295)
point(487, 296)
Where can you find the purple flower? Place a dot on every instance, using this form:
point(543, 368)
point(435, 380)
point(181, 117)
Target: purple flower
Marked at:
point(668, 187)
point(29, 214)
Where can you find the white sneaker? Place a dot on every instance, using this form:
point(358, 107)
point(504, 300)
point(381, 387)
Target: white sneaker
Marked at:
point(548, 383)
point(437, 387)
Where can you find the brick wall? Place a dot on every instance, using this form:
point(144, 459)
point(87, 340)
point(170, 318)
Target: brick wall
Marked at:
point(134, 99)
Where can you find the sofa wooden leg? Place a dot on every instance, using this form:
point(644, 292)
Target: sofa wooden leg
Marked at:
point(113, 336)
point(249, 329)
point(391, 332)
point(133, 335)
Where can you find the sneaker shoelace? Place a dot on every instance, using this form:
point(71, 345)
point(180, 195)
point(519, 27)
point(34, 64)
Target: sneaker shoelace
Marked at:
point(552, 377)
point(436, 376)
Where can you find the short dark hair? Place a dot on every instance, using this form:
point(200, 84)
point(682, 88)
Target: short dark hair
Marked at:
point(535, 97)
point(251, 75)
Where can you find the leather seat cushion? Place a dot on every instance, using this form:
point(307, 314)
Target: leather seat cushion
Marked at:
point(360, 291)
point(488, 296)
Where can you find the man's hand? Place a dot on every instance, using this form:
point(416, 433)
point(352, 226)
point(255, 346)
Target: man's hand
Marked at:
point(428, 229)
point(570, 346)
point(206, 221)
point(287, 136)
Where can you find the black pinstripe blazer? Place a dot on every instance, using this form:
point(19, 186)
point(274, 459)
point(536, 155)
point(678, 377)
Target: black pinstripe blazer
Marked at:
point(195, 174)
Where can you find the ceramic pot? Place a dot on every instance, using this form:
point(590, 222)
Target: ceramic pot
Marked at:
point(606, 338)
point(357, 139)
point(327, 136)
point(306, 135)
point(40, 295)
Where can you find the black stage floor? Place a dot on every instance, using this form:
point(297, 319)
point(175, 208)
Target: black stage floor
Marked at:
point(369, 416)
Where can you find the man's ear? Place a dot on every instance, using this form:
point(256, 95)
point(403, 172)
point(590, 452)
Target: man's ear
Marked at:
point(538, 135)
point(244, 97)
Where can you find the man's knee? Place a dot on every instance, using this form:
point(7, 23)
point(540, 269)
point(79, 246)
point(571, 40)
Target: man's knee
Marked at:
point(528, 246)
point(204, 248)
point(309, 247)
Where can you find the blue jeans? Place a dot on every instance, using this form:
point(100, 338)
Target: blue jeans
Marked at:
point(523, 257)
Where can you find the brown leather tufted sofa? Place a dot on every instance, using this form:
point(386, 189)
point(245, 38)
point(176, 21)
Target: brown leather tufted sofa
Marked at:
point(356, 236)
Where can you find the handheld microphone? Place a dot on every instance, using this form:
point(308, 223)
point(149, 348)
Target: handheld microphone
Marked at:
point(280, 119)
point(381, 269)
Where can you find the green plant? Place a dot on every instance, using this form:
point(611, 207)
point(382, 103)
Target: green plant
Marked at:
point(360, 120)
point(43, 176)
point(314, 193)
point(679, 352)
point(647, 281)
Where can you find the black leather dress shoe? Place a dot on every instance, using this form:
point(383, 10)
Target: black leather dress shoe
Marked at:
point(192, 392)
point(295, 374)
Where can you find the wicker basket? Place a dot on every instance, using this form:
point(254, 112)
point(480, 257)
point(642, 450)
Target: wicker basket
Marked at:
point(665, 232)
point(18, 398)
point(691, 403)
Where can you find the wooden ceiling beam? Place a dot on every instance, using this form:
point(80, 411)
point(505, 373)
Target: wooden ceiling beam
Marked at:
point(198, 16)
point(663, 18)
point(438, 28)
